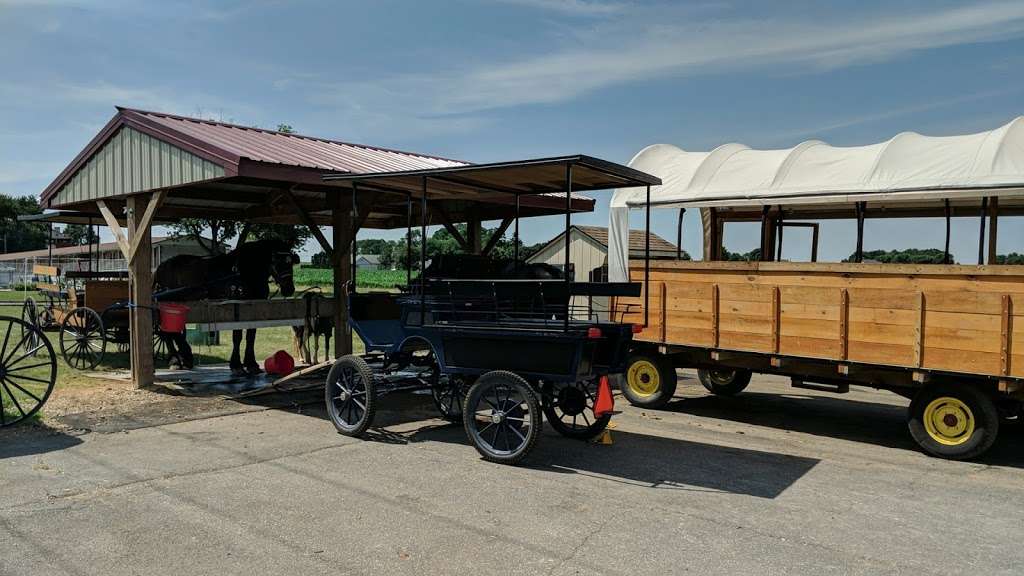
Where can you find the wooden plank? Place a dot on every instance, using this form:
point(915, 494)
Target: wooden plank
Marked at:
point(715, 316)
point(48, 287)
point(957, 361)
point(307, 220)
point(342, 231)
point(115, 228)
point(811, 311)
point(748, 324)
point(919, 331)
point(844, 324)
point(100, 294)
point(803, 327)
point(1006, 330)
point(776, 328)
point(868, 332)
point(730, 340)
point(664, 316)
point(763, 309)
point(43, 270)
point(872, 353)
point(808, 347)
point(155, 200)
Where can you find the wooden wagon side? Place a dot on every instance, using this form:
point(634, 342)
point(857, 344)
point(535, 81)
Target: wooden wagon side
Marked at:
point(947, 318)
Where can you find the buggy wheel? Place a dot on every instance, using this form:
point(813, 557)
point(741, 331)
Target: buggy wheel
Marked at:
point(724, 382)
point(449, 395)
point(650, 380)
point(29, 326)
point(27, 375)
point(503, 418)
point(159, 347)
point(82, 338)
point(351, 395)
point(570, 409)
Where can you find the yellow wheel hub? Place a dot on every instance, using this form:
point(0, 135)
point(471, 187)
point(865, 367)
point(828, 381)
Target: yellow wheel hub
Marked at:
point(642, 378)
point(949, 421)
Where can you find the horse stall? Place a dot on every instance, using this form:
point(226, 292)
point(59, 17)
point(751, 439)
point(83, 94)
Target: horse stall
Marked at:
point(949, 337)
point(144, 168)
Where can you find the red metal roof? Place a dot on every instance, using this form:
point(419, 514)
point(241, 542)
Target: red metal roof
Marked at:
point(228, 145)
point(294, 149)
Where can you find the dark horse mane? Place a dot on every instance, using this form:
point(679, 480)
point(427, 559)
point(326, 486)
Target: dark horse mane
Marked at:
point(240, 273)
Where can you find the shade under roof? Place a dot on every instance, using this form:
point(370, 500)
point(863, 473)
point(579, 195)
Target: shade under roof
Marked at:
point(906, 168)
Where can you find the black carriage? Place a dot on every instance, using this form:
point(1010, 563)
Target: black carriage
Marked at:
point(496, 345)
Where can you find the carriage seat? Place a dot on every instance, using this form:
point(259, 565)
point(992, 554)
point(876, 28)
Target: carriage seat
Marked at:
point(376, 317)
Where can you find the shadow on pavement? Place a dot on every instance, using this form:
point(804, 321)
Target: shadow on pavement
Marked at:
point(835, 417)
point(31, 438)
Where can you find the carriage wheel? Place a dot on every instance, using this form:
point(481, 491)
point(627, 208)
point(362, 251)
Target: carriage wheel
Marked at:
point(351, 395)
point(159, 347)
point(30, 328)
point(503, 417)
point(449, 394)
point(27, 375)
point(570, 409)
point(82, 338)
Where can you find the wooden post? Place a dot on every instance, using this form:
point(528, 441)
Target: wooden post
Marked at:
point(664, 312)
point(922, 305)
point(341, 225)
point(993, 229)
point(844, 325)
point(776, 313)
point(1006, 334)
point(473, 236)
point(714, 316)
point(140, 274)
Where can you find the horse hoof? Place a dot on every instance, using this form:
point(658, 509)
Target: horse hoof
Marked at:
point(237, 371)
point(253, 370)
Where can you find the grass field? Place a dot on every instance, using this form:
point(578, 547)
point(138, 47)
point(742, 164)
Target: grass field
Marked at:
point(364, 278)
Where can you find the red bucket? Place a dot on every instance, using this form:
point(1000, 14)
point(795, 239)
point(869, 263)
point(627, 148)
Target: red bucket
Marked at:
point(172, 317)
point(281, 363)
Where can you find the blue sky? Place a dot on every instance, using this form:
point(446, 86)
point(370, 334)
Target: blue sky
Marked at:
point(506, 79)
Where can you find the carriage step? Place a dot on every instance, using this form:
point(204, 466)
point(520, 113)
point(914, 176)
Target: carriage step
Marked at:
point(841, 388)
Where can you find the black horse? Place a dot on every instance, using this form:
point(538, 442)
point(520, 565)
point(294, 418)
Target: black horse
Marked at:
point(242, 273)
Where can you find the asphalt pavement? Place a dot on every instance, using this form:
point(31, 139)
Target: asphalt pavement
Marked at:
point(775, 481)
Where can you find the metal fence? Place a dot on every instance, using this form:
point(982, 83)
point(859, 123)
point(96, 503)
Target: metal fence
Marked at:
point(15, 273)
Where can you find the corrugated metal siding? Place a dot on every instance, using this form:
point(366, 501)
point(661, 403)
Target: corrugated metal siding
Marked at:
point(133, 162)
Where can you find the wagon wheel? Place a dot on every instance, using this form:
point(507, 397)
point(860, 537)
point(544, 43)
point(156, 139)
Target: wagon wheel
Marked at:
point(449, 394)
point(82, 338)
point(504, 417)
point(570, 409)
point(159, 347)
point(30, 327)
point(351, 395)
point(27, 375)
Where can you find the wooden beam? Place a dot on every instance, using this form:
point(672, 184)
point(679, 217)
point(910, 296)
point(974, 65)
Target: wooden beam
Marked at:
point(446, 221)
point(1006, 334)
point(844, 324)
point(663, 293)
point(776, 317)
point(115, 227)
point(496, 237)
point(715, 316)
point(144, 223)
point(308, 221)
point(141, 292)
point(993, 229)
point(342, 236)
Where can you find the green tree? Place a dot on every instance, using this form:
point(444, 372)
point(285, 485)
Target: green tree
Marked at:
point(906, 256)
point(20, 236)
point(320, 260)
point(1012, 258)
point(80, 234)
point(752, 256)
point(221, 232)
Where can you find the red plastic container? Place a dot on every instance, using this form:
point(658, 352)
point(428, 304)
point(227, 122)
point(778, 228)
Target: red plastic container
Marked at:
point(173, 317)
point(281, 363)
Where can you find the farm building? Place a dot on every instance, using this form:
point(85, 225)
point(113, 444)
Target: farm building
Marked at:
point(16, 267)
point(588, 251)
point(368, 262)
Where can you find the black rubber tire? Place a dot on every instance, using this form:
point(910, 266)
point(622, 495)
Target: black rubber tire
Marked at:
point(477, 401)
point(983, 410)
point(353, 375)
point(724, 382)
point(664, 389)
point(556, 415)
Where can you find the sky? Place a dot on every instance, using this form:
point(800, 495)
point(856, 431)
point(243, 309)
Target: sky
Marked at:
point(511, 79)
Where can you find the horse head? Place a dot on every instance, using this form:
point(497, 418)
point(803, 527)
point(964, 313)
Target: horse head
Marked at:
point(281, 263)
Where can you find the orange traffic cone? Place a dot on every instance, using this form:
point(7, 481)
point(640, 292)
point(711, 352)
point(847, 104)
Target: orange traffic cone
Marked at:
point(605, 403)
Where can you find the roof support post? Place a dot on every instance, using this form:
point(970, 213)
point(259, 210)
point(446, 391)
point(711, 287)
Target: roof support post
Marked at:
point(859, 254)
point(340, 231)
point(140, 275)
point(115, 228)
point(945, 255)
point(492, 242)
point(515, 238)
point(981, 231)
point(679, 234)
point(308, 221)
point(568, 242)
point(423, 254)
point(993, 230)
point(474, 232)
point(767, 228)
point(779, 224)
point(408, 241)
point(647, 256)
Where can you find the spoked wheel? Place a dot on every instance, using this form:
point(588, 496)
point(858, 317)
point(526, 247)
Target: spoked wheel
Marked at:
point(159, 347)
point(570, 409)
point(504, 418)
point(27, 375)
point(351, 396)
point(449, 394)
point(30, 319)
point(82, 339)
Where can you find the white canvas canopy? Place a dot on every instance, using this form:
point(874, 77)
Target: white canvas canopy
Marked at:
point(907, 170)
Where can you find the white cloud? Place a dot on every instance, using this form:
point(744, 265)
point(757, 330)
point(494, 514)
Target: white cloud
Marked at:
point(657, 43)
